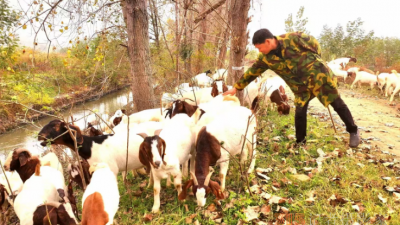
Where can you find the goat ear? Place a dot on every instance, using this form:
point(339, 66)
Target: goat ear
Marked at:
point(123, 111)
point(23, 158)
point(163, 151)
point(2, 195)
point(214, 90)
point(187, 185)
point(276, 97)
point(79, 137)
point(216, 189)
point(143, 135)
point(144, 157)
point(189, 109)
point(282, 90)
point(224, 87)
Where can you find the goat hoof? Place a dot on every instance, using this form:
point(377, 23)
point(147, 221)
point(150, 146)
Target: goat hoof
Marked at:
point(155, 210)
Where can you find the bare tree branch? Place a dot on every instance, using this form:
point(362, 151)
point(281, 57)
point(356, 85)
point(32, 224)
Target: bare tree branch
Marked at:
point(208, 11)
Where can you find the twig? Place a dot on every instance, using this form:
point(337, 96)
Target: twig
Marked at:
point(73, 136)
point(208, 11)
point(9, 186)
point(102, 119)
point(333, 124)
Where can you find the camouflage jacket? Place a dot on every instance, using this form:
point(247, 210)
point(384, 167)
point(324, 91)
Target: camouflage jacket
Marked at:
point(301, 67)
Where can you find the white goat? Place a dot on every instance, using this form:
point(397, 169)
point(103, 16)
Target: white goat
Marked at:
point(363, 77)
point(38, 190)
point(397, 89)
point(101, 198)
point(342, 61)
point(202, 80)
point(166, 151)
point(338, 71)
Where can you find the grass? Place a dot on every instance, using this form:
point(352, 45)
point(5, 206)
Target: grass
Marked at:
point(136, 199)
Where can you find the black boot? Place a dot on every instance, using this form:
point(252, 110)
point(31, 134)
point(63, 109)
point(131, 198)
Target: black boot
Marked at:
point(300, 123)
point(343, 111)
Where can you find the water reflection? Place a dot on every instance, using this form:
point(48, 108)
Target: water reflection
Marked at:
point(25, 136)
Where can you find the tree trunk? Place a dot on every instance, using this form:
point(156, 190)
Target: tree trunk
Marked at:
point(224, 42)
point(139, 54)
point(202, 41)
point(239, 11)
point(177, 39)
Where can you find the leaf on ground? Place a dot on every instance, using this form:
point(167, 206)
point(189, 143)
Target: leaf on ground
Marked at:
point(148, 217)
point(396, 197)
point(277, 138)
point(311, 197)
point(212, 207)
point(380, 196)
point(263, 170)
point(277, 200)
point(321, 153)
point(265, 177)
point(265, 209)
point(302, 177)
point(335, 200)
point(360, 165)
point(251, 213)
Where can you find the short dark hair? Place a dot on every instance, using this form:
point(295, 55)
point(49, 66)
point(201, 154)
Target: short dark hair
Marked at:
point(260, 36)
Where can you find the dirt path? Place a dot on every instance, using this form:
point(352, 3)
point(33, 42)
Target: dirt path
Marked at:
point(377, 120)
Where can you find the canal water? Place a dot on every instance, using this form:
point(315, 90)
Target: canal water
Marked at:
point(26, 136)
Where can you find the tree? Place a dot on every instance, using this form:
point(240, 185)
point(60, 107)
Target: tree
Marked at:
point(139, 52)
point(240, 35)
point(299, 25)
point(8, 19)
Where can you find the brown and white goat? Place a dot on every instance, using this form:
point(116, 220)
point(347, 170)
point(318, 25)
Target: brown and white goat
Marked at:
point(280, 98)
point(37, 203)
point(25, 165)
point(227, 129)
point(103, 148)
point(164, 152)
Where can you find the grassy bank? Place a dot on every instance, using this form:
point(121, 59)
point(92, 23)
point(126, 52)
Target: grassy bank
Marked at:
point(348, 186)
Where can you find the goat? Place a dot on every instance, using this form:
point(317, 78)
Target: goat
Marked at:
point(101, 198)
point(215, 143)
point(164, 152)
point(389, 80)
point(397, 89)
point(220, 74)
point(206, 94)
point(338, 71)
point(202, 80)
point(117, 117)
point(363, 77)
point(342, 61)
point(104, 148)
point(25, 164)
point(272, 88)
point(37, 203)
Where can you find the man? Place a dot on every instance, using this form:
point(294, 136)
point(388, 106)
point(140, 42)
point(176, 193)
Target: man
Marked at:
point(296, 58)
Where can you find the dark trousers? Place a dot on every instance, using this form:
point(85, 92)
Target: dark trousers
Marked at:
point(300, 118)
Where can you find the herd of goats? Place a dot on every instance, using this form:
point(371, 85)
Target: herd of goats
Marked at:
point(386, 82)
point(196, 129)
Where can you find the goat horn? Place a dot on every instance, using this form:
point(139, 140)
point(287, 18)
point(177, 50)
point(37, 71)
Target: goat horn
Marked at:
point(194, 178)
point(143, 135)
point(208, 177)
point(157, 132)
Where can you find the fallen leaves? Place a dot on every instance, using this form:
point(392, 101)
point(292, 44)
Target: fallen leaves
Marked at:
point(251, 213)
point(336, 200)
point(380, 196)
point(302, 177)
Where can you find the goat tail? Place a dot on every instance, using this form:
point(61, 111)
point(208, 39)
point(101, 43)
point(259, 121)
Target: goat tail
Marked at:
point(37, 169)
